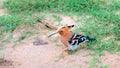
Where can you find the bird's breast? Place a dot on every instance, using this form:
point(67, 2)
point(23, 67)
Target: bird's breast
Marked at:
point(64, 41)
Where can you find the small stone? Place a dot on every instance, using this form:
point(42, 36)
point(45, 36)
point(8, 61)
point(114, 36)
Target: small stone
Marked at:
point(40, 41)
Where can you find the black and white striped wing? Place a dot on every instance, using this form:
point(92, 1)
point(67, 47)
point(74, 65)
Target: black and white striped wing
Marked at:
point(78, 39)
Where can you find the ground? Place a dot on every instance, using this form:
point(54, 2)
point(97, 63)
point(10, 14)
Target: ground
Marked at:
point(27, 55)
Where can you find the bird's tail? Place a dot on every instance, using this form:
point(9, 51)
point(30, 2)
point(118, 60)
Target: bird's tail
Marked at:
point(91, 39)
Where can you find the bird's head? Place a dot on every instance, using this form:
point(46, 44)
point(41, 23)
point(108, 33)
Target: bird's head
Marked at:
point(63, 30)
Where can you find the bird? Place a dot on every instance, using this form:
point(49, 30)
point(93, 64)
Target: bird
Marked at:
point(70, 39)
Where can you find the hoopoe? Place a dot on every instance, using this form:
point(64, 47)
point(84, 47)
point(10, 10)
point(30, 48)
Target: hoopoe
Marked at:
point(71, 39)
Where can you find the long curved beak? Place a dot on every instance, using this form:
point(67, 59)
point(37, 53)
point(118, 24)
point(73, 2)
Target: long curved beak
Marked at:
point(52, 34)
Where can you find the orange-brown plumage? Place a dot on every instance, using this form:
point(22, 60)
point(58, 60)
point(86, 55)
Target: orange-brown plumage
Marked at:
point(65, 34)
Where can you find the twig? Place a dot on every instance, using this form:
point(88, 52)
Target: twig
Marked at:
point(47, 24)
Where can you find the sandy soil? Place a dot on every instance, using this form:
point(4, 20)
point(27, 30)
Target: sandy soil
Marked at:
point(27, 55)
